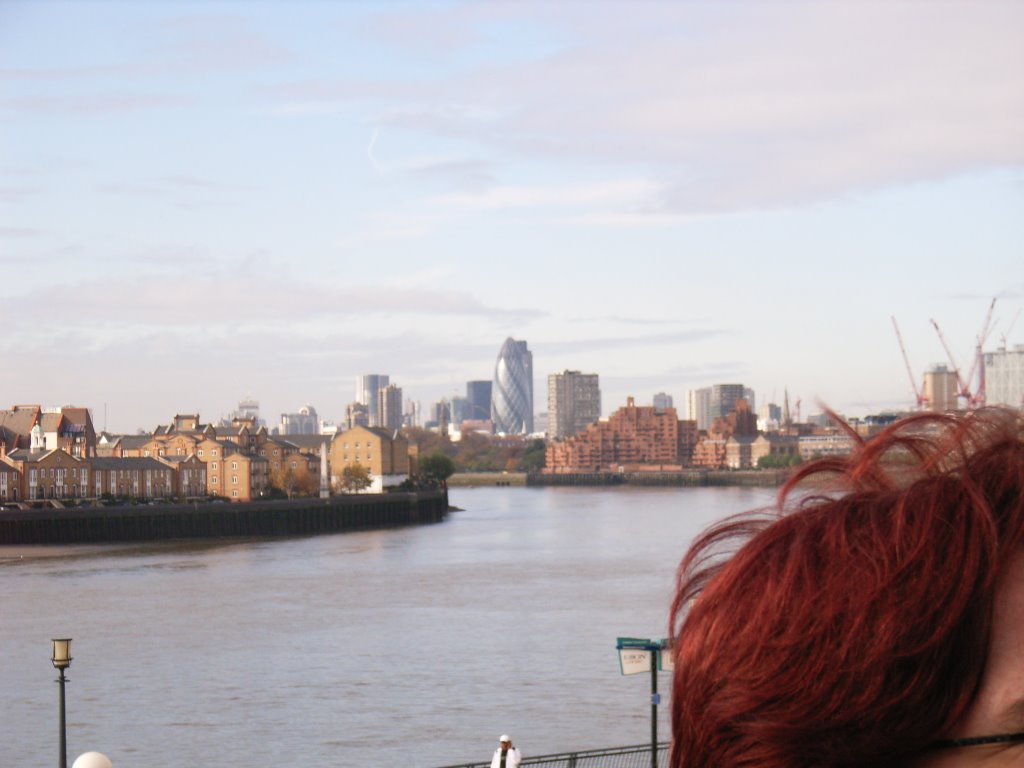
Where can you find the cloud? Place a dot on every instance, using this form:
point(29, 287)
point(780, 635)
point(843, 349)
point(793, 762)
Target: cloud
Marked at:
point(20, 232)
point(221, 305)
point(98, 104)
point(619, 193)
point(645, 340)
point(464, 176)
point(750, 106)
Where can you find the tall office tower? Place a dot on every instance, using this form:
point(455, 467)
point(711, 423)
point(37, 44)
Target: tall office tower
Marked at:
point(441, 412)
point(512, 389)
point(723, 399)
point(460, 409)
point(356, 415)
point(748, 395)
point(368, 389)
point(249, 408)
point(412, 413)
point(574, 402)
point(389, 407)
point(305, 422)
point(478, 393)
point(940, 389)
point(662, 401)
point(1004, 376)
point(698, 407)
point(769, 418)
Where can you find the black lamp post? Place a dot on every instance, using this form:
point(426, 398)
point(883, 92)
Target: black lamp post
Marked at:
point(62, 660)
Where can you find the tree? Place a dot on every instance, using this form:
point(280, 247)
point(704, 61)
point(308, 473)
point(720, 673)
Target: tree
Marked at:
point(294, 480)
point(354, 478)
point(777, 461)
point(534, 456)
point(436, 467)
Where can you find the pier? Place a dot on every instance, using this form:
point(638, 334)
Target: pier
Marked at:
point(296, 517)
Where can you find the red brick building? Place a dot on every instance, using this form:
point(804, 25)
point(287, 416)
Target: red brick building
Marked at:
point(634, 438)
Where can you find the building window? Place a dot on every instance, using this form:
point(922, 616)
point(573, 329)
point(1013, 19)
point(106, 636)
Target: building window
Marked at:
point(199, 453)
point(213, 465)
point(234, 492)
point(234, 479)
point(213, 480)
point(234, 465)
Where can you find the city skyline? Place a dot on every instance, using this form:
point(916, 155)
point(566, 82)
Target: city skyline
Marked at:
point(201, 202)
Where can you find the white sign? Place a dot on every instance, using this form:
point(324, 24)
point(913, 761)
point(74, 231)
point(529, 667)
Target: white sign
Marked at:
point(633, 661)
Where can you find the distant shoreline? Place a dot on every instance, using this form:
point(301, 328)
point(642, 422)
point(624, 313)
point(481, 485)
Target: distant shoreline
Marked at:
point(768, 478)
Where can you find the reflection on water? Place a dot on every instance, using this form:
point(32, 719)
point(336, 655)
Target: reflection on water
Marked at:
point(413, 646)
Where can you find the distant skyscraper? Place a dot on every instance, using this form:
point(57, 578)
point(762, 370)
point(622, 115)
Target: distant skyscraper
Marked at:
point(305, 422)
point(1004, 376)
point(249, 408)
point(574, 402)
point(478, 393)
point(357, 415)
point(698, 407)
point(389, 407)
point(368, 389)
point(512, 389)
point(662, 401)
point(940, 389)
point(459, 409)
point(723, 399)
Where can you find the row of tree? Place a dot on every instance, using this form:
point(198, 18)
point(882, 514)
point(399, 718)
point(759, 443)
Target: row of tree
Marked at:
point(288, 482)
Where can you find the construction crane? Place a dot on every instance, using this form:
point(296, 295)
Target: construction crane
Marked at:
point(977, 397)
point(921, 400)
point(1005, 334)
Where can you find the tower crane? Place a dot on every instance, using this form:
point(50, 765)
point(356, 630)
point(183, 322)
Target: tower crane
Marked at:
point(977, 397)
point(921, 400)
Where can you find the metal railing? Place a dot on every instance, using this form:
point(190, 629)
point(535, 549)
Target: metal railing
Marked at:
point(637, 756)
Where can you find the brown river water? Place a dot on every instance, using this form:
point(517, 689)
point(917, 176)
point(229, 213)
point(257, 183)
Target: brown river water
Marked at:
point(404, 647)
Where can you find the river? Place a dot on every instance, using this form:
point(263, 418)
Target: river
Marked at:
point(405, 647)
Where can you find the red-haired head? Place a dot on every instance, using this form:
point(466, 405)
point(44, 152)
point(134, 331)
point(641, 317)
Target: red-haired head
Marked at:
point(851, 625)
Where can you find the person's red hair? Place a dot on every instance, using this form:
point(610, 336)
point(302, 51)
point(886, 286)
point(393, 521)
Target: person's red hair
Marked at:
point(850, 627)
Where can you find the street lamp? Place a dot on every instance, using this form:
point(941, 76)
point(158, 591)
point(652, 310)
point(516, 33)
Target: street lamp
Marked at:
point(62, 660)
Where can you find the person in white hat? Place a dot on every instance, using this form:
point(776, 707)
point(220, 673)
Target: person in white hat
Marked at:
point(505, 756)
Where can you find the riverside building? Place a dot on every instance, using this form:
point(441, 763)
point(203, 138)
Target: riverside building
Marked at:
point(633, 439)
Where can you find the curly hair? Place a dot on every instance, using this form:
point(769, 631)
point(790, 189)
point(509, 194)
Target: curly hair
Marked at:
point(850, 624)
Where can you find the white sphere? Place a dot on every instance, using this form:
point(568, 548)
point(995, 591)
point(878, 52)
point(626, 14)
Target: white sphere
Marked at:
point(92, 760)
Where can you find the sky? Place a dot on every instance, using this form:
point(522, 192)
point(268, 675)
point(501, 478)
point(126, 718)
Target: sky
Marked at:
point(206, 201)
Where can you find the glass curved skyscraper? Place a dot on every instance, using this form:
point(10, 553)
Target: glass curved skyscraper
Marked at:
point(512, 390)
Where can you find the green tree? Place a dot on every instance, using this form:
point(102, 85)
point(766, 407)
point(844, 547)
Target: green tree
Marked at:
point(436, 467)
point(534, 456)
point(777, 461)
point(354, 478)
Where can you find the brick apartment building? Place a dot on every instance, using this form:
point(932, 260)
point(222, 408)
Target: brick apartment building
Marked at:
point(634, 438)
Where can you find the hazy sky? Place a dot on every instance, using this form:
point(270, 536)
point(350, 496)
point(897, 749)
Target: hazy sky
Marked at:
point(204, 201)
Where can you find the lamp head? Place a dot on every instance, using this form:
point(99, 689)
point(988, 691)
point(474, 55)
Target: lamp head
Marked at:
point(61, 653)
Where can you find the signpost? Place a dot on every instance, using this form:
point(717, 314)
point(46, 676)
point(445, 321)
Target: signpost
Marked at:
point(638, 655)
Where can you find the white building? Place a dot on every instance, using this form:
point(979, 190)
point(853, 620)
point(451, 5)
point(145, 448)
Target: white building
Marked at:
point(1004, 376)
